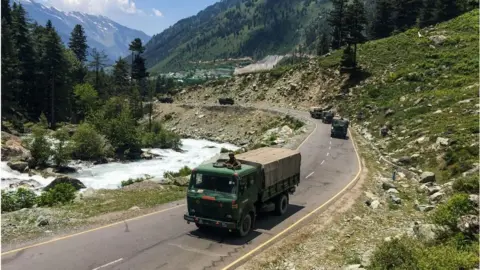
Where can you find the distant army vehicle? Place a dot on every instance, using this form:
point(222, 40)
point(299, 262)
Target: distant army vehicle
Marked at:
point(225, 101)
point(339, 128)
point(165, 100)
point(223, 196)
point(316, 112)
point(328, 117)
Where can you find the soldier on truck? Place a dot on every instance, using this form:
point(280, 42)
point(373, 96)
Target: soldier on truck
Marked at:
point(232, 162)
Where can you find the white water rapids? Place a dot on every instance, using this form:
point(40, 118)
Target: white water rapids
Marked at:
point(110, 176)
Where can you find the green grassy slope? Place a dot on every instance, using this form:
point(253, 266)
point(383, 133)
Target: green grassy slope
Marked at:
point(236, 28)
point(431, 87)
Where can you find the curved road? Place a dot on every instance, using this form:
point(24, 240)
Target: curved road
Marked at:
point(163, 240)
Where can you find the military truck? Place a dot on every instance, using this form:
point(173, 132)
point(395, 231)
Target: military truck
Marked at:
point(224, 101)
point(339, 128)
point(328, 117)
point(223, 197)
point(316, 112)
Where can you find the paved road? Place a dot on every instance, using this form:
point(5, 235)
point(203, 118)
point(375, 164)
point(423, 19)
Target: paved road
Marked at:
point(165, 241)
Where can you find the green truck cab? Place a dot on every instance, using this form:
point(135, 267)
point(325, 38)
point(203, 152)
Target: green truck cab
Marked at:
point(229, 198)
point(328, 117)
point(316, 112)
point(339, 128)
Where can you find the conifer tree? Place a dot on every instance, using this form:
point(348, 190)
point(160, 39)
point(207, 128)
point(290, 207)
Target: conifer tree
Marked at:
point(382, 25)
point(78, 43)
point(336, 20)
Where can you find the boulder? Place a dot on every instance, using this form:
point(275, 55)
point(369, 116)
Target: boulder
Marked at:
point(65, 169)
point(42, 221)
point(389, 112)
point(387, 184)
point(442, 141)
point(474, 199)
point(30, 184)
point(433, 189)
point(468, 224)
point(427, 232)
point(77, 184)
point(438, 39)
point(436, 197)
point(427, 177)
point(395, 199)
point(12, 148)
point(20, 166)
point(405, 160)
point(424, 207)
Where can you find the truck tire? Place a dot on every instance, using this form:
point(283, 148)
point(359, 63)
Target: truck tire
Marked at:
point(245, 226)
point(201, 227)
point(281, 205)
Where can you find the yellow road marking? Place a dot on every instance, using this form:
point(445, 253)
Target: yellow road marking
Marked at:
point(91, 230)
point(306, 216)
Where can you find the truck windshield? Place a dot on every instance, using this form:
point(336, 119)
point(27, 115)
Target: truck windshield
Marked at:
point(225, 184)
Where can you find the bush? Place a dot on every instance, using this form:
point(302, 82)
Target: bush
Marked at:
point(39, 146)
point(16, 200)
point(62, 193)
point(87, 143)
point(137, 180)
point(447, 214)
point(63, 150)
point(159, 137)
point(468, 184)
point(396, 254)
point(185, 171)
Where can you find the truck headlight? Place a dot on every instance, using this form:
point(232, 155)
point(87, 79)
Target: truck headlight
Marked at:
point(228, 216)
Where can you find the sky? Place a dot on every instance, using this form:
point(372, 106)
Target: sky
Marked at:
point(149, 16)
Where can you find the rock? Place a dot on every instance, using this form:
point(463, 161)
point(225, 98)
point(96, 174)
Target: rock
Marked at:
point(374, 204)
point(387, 184)
point(474, 199)
point(30, 184)
point(436, 197)
point(422, 139)
point(437, 112)
point(66, 179)
point(392, 191)
point(442, 141)
point(468, 224)
point(395, 199)
point(20, 166)
point(12, 149)
point(438, 39)
point(427, 232)
point(134, 208)
point(146, 155)
point(65, 169)
point(42, 221)
point(100, 161)
point(433, 189)
point(405, 160)
point(417, 101)
point(357, 218)
point(353, 267)
point(427, 177)
point(424, 207)
point(177, 181)
point(472, 171)
point(389, 112)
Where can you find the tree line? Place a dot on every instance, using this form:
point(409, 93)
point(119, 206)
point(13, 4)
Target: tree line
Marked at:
point(351, 23)
point(44, 79)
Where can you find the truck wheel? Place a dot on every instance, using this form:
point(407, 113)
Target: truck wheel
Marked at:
point(281, 205)
point(245, 226)
point(201, 227)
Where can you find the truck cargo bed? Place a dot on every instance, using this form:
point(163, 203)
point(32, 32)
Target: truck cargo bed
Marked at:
point(278, 163)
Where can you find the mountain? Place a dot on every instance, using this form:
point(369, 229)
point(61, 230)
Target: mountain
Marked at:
point(236, 28)
point(102, 33)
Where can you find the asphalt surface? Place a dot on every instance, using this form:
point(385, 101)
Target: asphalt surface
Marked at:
point(165, 241)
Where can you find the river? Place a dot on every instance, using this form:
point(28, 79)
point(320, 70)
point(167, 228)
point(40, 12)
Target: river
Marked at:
point(110, 176)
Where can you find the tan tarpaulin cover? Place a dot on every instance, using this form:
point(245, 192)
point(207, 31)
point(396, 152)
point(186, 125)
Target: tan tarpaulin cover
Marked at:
point(278, 163)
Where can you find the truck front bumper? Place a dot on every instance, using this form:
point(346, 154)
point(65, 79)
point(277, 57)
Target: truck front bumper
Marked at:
point(210, 222)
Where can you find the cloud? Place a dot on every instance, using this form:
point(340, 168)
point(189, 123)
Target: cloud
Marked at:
point(157, 12)
point(99, 7)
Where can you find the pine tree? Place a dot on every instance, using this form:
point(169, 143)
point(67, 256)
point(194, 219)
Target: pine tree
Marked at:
point(322, 45)
point(121, 76)
point(78, 43)
point(26, 56)
point(99, 59)
point(55, 68)
point(355, 21)
point(427, 13)
point(446, 10)
point(406, 13)
point(382, 25)
point(6, 11)
point(135, 47)
point(9, 68)
point(336, 20)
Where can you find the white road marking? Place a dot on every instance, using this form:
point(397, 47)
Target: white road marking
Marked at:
point(328, 154)
point(110, 263)
point(330, 142)
point(329, 147)
point(309, 175)
point(322, 162)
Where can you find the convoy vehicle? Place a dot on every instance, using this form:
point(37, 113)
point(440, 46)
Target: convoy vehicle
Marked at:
point(339, 128)
point(316, 112)
point(223, 197)
point(224, 101)
point(328, 117)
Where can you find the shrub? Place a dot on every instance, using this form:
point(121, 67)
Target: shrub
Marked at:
point(446, 256)
point(39, 146)
point(16, 200)
point(63, 151)
point(468, 184)
point(137, 180)
point(185, 171)
point(159, 137)
point(87, 143)
point(447, 214)
point(395, 254)
point(62, 193)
